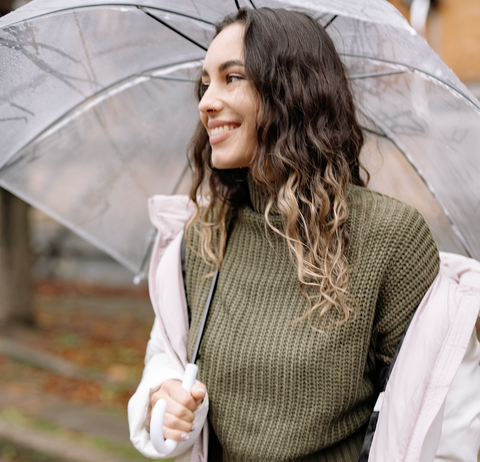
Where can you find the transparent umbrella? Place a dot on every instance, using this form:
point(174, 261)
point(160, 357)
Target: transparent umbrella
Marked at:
point(97, 107)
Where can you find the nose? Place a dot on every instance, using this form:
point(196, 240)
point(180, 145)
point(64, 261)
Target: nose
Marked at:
point(210, 103)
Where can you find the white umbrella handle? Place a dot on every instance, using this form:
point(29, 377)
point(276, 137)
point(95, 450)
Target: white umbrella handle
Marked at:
point(163, 446)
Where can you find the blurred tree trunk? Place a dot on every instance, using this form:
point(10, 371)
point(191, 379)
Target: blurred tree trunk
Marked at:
point(6, 6)
point(16, 285)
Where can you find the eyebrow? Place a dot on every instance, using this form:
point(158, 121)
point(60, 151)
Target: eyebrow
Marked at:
point(225, 65)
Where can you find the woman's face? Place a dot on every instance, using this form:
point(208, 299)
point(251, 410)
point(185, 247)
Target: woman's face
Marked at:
point(229, 106)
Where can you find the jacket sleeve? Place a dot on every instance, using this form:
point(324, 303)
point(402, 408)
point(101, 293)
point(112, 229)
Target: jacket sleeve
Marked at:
point(159, 366)
point(460, 427)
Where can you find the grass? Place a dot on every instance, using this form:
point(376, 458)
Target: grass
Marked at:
point(14, 453)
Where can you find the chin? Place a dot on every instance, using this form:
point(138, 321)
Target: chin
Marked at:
point(223, 161)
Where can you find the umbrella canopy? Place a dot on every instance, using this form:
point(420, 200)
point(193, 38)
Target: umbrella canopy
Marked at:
point(97, 107)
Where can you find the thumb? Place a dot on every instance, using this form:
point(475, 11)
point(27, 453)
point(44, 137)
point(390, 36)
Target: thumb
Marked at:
point(198, 392)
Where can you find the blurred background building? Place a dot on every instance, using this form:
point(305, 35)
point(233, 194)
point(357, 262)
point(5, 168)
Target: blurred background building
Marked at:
point(451, 27)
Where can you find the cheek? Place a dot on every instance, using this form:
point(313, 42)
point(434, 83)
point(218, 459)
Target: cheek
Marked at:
point(204, 120)
point(254, 116)
point(252, 128)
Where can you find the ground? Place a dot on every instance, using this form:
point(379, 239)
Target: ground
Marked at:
point(66, 381)
point(68, 378)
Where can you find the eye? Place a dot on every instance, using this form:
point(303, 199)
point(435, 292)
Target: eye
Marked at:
point(232, 78)
point(203, 88)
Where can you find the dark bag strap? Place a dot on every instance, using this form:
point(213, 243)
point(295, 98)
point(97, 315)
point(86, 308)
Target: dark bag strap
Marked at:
point(207, 303)
point(385, 373)
point(183, 257)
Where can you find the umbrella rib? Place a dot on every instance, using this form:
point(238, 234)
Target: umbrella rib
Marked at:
point(456, 90)
point(140, 274)
point(166, 66)
point(373, 132)
point(364, 114)
point(80, 7)
point(330, 22)
point(7, 163)
point(186, 37)
point(15, 118)
point(375, 74)
point(236, 4)
point(253, 5)
point(169, 78)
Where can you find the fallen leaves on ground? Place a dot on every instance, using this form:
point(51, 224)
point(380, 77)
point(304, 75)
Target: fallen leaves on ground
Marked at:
point(103, 330)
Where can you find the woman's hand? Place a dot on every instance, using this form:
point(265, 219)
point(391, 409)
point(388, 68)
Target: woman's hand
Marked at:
point(181, 405)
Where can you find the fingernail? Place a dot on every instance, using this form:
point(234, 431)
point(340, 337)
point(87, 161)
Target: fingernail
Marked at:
point(201, 391)
point(184, 436)
point(193, 427)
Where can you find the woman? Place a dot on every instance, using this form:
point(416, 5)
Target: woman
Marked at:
point(320, 276)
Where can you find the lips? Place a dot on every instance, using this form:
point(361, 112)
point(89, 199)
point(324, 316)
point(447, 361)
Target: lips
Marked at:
point(224, 128)
point(214, 123)
point(220, 130)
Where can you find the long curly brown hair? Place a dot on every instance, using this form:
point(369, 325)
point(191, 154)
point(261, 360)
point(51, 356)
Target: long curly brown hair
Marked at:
point(308, 147)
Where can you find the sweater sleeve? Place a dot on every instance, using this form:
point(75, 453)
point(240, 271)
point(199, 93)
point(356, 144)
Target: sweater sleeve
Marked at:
point(411, 268)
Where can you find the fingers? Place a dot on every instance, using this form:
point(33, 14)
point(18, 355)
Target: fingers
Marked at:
point(175, 435)
point(179, 416)
point(198, 392)
point(173, 389)
point(175, 428)
point(179, 410)
point(184, 399)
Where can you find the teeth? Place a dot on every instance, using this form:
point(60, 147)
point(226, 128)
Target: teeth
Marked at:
point(218, 130)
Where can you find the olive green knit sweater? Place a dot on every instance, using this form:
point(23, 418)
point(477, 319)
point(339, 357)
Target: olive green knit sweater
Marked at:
point(280, 390)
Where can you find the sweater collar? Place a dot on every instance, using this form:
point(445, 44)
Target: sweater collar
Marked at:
point(258, 196)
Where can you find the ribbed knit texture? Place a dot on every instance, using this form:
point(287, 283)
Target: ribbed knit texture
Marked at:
point(280, 390)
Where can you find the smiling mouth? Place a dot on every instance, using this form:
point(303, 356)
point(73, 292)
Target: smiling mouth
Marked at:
point(219, 130)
